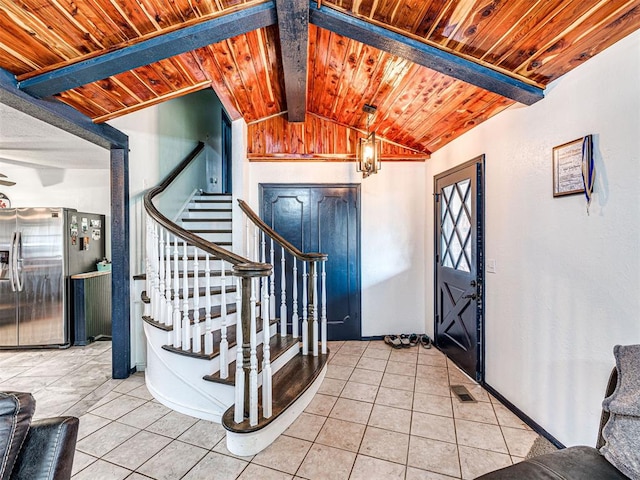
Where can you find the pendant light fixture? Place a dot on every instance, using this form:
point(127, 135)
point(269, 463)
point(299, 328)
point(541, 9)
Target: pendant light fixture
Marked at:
point(368, 152)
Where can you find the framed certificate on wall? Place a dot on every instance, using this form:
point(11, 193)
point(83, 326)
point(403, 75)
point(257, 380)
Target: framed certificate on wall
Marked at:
point(567, 168)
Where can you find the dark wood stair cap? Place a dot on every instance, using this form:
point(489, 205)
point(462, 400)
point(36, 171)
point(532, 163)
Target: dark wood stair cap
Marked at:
point(288, 384)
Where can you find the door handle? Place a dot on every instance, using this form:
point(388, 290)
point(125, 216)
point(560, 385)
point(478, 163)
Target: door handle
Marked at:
point(18, 252)
point(12, 262)
point(472, 296)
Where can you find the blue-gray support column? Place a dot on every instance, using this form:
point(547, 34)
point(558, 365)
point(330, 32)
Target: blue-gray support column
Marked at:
point(120, 276)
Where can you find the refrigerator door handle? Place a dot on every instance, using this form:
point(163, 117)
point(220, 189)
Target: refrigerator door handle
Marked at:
point(18, 254)
point(12, 261)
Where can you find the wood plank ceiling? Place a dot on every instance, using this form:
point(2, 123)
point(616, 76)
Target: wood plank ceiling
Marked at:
point(420, 109)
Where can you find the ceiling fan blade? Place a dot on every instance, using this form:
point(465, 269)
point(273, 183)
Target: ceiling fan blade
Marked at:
point(3, 175)
point(7, 183)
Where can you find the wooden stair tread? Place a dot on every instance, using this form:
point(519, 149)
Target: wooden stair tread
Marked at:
point(181, 245)
point(201, 274)
point(215, 290)
point(277, 345)
point(216, 312)
point(288, 384)
point(202, 291)
point(217, 337)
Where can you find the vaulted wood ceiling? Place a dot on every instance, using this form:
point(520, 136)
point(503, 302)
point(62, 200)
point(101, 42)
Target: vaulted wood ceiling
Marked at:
point(434, 68)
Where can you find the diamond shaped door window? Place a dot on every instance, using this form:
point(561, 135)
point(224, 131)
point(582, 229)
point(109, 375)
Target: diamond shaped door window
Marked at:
point(455, 233)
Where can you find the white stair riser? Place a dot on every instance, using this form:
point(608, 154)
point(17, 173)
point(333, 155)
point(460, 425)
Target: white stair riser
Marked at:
point(216, 237)
point(226, 198)
point(204, 215)
point(215, 301)
point(204, 224)
point(210, 204)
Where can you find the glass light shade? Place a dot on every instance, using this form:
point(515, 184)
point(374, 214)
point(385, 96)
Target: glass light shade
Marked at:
point(368, 155)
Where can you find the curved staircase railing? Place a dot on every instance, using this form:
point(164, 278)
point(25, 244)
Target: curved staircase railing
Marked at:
point(176, 262)
point(258, 236)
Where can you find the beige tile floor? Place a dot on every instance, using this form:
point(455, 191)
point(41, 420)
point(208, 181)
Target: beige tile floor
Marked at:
point(380, 413)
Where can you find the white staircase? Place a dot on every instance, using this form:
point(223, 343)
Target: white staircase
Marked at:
point(204, 358)
point(209, 215)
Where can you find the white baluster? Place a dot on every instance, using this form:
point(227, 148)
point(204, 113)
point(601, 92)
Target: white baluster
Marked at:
point(186, 324)
point(294, 315)
point(266, 351)
point(247, 242)
point(147, 246)
point(283, 296)
point(224, 342)
point(161, 278)
point(253, 356)
point(152, 291)
point(238, 413)
point(197, 328)
point(272, 283)
point(208, 324)
point(263, 259)
point(167, 283)
point(324, 308)
point(177, 327)
point(305, 324)
point(256, 244)
point(315, 309)
point(157, 300)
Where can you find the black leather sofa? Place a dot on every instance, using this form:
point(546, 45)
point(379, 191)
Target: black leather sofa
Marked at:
point(38, 450)
point(579, 463)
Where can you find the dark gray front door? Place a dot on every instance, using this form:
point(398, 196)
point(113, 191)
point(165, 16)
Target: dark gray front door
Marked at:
point(459, 267)
point(321, 218)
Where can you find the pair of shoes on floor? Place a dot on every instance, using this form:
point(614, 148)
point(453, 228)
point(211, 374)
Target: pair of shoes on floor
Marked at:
point(405, 341)
point(394, 341)
point(425, 341)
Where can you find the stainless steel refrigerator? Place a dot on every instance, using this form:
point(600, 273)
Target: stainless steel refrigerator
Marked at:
point(39, 249)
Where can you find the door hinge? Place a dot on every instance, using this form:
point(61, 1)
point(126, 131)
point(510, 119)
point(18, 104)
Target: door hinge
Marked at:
point(436, 197)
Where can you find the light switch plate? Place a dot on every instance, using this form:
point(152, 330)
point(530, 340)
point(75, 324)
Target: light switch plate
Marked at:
point(491, 265)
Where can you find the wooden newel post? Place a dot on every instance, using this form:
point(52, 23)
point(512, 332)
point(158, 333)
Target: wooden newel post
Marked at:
point(246, 339)
point(311, 309)
point(247, 272)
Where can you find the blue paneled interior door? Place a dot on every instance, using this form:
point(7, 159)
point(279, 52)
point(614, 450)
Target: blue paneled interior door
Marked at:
point(320, 218)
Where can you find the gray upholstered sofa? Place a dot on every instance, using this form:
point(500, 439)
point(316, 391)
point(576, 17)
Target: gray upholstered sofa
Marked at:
point(38, 450)
point(579, 463)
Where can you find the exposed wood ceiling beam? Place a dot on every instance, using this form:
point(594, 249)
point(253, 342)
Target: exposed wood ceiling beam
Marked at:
point(425, 55)
point(151, 50)
point(59, 115)
point(293, 25)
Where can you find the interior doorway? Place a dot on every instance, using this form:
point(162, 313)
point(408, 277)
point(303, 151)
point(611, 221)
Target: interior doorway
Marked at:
point(459, 265)
point(322, 218)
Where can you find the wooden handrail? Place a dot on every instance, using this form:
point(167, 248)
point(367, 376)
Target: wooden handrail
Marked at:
point(305, 257)
point(193, 239)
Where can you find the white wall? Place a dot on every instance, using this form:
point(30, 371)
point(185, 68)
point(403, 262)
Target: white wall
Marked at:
point(393, 226)
point(86, 190)
point(567, 283)
point(160, 137)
